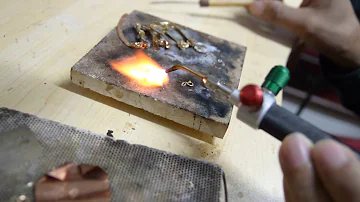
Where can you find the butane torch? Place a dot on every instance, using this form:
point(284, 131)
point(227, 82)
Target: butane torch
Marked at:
point(257, 106)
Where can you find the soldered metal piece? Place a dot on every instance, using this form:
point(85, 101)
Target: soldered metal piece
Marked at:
point(187, 83)
point(140, 29)
point(189, 40)
point(155, 39)
point(180, 43)
point(190, 83)
point(165, 42)
point(158, 31)
point(141, 33)
point(166, 26)
point(137, 45)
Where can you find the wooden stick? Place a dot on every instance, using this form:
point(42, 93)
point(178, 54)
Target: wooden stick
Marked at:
point(217, 3)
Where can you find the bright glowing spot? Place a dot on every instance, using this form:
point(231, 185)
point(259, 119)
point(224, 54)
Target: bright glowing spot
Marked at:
point(142, 69)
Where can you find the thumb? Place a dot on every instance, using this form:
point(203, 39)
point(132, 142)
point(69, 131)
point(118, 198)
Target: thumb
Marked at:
point(278, 13)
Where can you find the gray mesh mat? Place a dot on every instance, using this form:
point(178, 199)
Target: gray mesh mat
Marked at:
point(31, 147)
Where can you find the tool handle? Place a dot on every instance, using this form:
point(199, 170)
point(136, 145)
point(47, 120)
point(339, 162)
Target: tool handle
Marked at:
point(279, 123)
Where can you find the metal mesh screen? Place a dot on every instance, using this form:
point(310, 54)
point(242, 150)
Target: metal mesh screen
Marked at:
point(31, 147)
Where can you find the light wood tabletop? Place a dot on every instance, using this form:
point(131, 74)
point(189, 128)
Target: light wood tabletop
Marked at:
point(41, 40)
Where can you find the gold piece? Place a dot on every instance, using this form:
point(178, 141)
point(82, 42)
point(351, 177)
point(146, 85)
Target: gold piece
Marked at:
point(155, 38)
point(156, 28)
point(187, 83)
point(180, 43)
point(190, 41)
point(137, 27)
point(190, 83)
point(166, 26)
point(141, 34)
point(159, 33)
point(163, 43)
point(138, 45)
point(184, 45)
point(195, 73)
point(141, 45)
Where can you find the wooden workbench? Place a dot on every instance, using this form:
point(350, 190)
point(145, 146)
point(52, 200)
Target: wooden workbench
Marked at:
point(40, 40)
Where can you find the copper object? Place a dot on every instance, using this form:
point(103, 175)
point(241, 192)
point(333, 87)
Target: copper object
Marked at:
point(73, 183)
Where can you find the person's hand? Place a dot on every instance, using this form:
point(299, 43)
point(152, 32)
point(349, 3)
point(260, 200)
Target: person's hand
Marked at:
point(326, 171)
point(329, 26)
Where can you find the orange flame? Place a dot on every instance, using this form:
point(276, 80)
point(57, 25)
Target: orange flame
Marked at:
point(142, 69)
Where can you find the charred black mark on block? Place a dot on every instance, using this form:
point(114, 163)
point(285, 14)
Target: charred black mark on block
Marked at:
point(201, 96)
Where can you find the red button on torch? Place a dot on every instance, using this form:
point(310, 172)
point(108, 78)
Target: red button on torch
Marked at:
point(252, 96)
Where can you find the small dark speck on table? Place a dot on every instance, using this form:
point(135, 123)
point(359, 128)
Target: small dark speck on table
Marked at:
point(109, 133)
point(44, 83)
point(133, 128)
point(4, 36)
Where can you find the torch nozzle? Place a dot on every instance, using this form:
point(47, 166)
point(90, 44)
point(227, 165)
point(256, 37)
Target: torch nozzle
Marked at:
point(187, 69)
point(210, 81)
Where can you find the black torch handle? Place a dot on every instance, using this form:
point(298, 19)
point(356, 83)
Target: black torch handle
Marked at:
point(279, 123)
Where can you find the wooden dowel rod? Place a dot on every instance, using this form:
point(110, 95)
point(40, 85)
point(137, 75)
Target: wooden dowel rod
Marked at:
point(217, 3)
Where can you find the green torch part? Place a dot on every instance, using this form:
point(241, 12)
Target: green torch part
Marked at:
point(276, 79)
